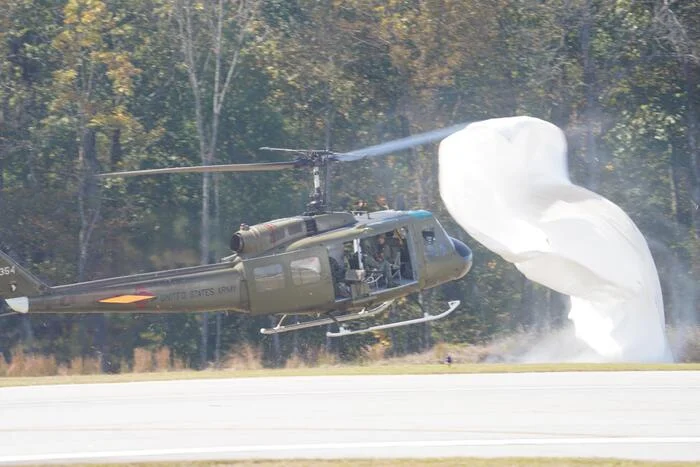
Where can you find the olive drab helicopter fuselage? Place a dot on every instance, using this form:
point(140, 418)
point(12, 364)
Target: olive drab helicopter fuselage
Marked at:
point(323, 264)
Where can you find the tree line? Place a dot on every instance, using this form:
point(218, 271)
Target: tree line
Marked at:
point(89, 86)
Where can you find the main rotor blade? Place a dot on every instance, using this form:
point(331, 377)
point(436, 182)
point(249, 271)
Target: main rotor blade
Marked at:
point(256, 167)
point(400, 144)
point(300, 151)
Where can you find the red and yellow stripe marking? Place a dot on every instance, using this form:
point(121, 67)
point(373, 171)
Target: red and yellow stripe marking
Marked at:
point(123, 299)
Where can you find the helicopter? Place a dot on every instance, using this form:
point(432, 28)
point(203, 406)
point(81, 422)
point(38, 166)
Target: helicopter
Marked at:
point(318, 264)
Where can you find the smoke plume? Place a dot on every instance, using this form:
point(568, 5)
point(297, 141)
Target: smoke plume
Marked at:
point(506, 182)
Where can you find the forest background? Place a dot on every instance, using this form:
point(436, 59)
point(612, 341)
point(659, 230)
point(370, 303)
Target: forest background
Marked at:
point(89, 86)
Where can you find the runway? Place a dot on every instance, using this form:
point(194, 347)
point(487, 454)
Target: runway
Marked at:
point(633, 415)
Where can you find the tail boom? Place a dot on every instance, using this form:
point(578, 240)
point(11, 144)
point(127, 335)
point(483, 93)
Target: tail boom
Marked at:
point(15, 281)
point(196, 289)
point(211, 290)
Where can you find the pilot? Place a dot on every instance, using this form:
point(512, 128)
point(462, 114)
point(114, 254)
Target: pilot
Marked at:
point(378, 257)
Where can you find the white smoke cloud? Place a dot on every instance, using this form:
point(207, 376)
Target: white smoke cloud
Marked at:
point(506, 182)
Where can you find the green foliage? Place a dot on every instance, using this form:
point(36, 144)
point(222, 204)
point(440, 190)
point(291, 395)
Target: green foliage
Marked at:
point(620, 77)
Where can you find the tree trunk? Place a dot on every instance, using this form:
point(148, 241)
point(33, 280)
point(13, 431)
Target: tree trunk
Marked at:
point(190, 34)
point(89, 205)
point(217, 340)
point(115, 152)
point(556, 306)
point(27, 334)
point(691, 76)
point(679, 209)
point(276, 348)
point(204, 259)
point(591, 105)
point(427, 328)
point(524, 318)
point(88, 197)
point(204, 343)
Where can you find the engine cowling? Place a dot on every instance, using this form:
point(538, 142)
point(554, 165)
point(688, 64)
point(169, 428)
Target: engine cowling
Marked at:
point(268, 236)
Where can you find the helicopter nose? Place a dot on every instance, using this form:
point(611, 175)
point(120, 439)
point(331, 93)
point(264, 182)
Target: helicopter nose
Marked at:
point(465, 252)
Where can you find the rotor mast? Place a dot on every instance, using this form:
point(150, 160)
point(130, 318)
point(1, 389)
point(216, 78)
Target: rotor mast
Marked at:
point(318, 161)
point(317, 199)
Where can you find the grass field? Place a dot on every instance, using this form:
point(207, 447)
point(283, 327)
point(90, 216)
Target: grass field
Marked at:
point(337, 370)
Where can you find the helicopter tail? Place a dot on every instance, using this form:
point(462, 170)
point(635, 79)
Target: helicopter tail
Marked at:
point(16, 284)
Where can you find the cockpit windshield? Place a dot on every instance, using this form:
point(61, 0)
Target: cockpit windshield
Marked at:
point(435, 241)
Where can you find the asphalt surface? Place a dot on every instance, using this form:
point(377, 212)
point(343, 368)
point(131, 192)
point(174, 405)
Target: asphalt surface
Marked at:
point(634, 415)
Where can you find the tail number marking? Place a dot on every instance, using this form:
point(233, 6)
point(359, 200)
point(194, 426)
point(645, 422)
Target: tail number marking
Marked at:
point(7, 270)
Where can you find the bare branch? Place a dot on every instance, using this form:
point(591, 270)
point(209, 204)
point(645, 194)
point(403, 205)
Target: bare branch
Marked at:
point(675, 32)
point(246, 13)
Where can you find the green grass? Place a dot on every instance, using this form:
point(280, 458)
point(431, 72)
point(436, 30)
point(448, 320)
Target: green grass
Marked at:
point(374, 369)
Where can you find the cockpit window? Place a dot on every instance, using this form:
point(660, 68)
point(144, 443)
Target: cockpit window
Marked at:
point(435, 242)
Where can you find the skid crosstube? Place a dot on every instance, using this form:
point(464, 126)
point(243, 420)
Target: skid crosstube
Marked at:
point(364, 313)
point(452, 305)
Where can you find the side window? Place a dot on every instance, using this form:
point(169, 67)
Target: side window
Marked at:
point(269, 277)
point(306, 270)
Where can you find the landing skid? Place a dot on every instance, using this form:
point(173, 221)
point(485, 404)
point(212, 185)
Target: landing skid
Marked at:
point(452, 305)
point(364, 313)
